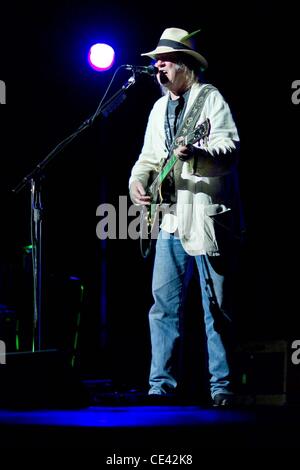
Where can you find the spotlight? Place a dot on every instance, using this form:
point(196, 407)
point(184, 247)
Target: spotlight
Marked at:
point(101, 57)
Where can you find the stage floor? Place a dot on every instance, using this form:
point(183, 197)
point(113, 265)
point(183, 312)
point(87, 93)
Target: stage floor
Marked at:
point(147, 430)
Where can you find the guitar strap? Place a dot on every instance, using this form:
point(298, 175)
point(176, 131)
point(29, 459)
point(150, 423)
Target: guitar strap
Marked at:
point(188, 125)
point(193, 114)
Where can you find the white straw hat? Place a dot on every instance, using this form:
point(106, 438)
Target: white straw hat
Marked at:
point(177, 40)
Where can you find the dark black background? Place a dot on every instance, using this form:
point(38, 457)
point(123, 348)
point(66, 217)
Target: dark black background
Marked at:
point(252, 53)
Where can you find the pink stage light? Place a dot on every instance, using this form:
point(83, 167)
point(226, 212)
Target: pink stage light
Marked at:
point(101, 57)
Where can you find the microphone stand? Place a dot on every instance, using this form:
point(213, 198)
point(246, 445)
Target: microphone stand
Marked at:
point(35, 178)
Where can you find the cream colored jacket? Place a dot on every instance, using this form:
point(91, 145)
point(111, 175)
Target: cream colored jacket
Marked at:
point(208, 199)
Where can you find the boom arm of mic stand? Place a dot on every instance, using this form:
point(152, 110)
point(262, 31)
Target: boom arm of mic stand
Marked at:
point(110, 105)
point(114, 102)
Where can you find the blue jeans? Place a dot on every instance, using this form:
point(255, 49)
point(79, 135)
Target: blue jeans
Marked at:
point(170, 266)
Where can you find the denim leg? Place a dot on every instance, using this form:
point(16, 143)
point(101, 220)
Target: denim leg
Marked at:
point(218, 321)
point(168, 289)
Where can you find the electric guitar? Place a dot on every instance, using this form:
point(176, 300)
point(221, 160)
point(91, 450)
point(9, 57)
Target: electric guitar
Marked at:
point(149, 213)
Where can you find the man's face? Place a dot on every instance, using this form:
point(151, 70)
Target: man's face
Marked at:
point(170, 75)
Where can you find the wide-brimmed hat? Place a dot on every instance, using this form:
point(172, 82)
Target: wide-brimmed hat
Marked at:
point(177, 40)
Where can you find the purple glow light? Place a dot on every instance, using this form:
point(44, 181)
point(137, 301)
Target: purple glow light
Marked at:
point(101, 57)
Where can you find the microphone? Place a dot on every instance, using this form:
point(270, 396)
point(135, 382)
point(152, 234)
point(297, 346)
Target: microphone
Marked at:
point(150, 69)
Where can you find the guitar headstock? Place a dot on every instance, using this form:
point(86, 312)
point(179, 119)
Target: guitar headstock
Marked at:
point(202, 131)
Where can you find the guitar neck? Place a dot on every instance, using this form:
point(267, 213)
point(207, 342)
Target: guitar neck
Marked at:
point(162, 175)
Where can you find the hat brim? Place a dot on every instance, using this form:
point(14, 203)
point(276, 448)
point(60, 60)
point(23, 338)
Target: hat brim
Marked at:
point(166, 50)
